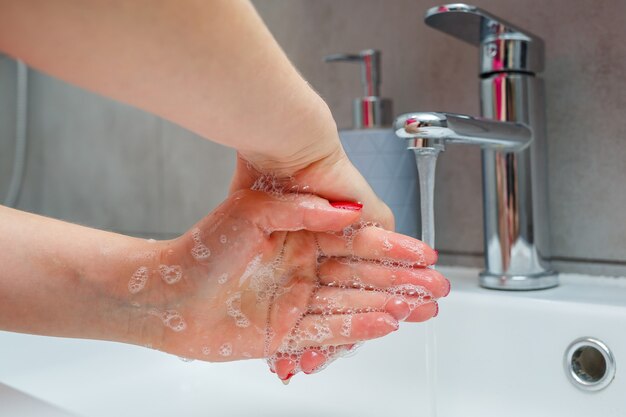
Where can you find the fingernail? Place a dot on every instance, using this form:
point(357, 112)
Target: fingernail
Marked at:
point(398, 308)
point(436, 309)
point(347, 205)
point(288, 378)
point(449, 287)
point(311, 357)
point(393, 323)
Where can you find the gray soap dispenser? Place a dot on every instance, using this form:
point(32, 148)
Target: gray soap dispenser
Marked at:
point(374, 149)
point(369, 111)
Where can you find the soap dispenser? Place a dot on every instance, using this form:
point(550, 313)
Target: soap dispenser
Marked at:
point(369, 111)
point(373, 148)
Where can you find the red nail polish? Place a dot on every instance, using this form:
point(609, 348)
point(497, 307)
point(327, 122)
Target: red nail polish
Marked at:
point(436, 310)
point(289, 375)
point(347, 205)
point(449, 287)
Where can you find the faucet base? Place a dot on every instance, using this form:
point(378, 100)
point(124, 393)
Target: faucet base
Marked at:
point(545, 280)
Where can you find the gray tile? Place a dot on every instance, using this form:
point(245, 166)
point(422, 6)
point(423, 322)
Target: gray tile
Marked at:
point(7, 122)
point(195, 177)
point(460, 259)
point(91, 160)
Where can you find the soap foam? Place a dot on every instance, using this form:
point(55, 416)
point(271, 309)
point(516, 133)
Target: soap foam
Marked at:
point(226, 349)
point(170, 318)
point(171, 274)
point(138, 280)
point(233, 309)
point(222, 278)
point(346, 325)
point(275, 186)
point(199, 251)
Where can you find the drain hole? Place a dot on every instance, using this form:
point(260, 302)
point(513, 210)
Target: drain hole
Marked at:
point(589, 364)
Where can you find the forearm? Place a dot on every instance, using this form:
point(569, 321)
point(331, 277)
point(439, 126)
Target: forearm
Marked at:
point(61, 279)
point(210, 66)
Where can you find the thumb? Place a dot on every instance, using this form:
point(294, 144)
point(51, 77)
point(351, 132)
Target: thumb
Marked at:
point(293, 212)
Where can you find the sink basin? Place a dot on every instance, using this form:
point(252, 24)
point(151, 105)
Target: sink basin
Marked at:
point(498, 354)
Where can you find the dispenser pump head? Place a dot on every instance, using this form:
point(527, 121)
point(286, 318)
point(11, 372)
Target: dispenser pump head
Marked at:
point(370, 110)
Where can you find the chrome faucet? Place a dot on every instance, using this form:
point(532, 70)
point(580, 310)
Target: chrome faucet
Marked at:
point(511, 134)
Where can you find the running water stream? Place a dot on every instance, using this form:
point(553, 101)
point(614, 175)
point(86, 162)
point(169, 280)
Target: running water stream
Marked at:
point(426, 159)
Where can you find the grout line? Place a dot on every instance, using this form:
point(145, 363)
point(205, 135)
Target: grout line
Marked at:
point(459, 253)
point(160, 170)
point(554, 258)
point(589, 261)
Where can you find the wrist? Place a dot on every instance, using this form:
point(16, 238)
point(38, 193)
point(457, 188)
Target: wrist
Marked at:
point(309, 136)
point(120, 286)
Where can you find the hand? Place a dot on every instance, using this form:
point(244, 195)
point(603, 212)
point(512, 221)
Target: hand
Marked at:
point(285, 278)
point(329, 174)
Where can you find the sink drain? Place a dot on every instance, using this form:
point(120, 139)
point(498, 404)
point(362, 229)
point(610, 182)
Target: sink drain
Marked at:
point(589, 364)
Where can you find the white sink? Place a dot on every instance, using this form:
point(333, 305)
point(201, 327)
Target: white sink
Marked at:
point(499, 354)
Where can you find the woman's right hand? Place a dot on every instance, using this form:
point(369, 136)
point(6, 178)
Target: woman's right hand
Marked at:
point(288, 278)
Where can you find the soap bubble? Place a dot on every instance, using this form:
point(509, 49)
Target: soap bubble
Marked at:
point(199, 251)
point(138, 280)
point(222, 278)
point(226, 349)
point(233, 309)
point(170, 318)
point(171, 274)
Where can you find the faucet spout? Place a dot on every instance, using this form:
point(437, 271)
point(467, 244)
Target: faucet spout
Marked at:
point(512, 140)
point(432, 129)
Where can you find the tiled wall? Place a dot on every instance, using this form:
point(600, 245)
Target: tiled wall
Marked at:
point(100, 163)
point(8, 73)
point(104, 164)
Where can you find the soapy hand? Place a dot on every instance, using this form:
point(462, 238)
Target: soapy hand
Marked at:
point(289, 278)
point(330, 175)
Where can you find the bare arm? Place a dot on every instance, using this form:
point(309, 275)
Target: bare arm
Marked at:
point(245, 271)
point(210, 66)
point(66, 280)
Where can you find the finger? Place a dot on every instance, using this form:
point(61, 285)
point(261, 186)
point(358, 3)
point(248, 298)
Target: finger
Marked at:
point(291, 212)
point(318, 330)
point(424, 312)
point(329, 300)
point(370, 242)
point(311, 360)
point(348, 273)
point(315, 359)
point(337, 179)
point(284, 368)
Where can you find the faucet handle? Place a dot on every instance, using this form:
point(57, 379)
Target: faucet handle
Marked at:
point(504, 47)
point(370, 68)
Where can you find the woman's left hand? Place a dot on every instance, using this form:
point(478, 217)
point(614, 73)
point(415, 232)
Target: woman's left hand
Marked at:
point(285, 278)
